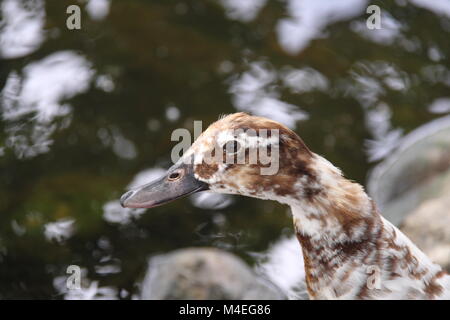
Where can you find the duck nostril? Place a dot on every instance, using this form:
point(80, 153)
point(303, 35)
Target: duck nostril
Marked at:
point(174, 176)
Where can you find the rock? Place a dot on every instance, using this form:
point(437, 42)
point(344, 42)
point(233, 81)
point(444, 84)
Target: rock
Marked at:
point(204, 273)
point(412, 188)
point(429, 225)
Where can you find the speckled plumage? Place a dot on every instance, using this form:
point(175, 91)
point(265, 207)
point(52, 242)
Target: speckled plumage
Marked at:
point(350, 251)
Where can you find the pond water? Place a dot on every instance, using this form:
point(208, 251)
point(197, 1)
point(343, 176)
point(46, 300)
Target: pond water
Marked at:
point(89, 112)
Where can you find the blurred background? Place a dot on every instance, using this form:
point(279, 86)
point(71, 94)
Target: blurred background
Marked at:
point(86, 114)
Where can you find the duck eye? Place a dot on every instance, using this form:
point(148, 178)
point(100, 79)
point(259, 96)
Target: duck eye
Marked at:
point(174, 176)
point(231, 147)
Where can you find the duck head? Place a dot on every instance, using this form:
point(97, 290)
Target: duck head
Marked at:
point(238, 154)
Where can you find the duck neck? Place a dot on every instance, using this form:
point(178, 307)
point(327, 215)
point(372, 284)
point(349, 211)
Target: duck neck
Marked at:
point(332, 208)
point(347, 246)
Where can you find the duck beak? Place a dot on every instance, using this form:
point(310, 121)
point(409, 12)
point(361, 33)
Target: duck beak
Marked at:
point(179, 181)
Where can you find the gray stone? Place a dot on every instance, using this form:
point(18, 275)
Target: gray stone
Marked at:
point(429, 225)
point(204, 273)
point(412, 188)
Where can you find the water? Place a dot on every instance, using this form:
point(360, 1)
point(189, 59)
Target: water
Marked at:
point(85, 114)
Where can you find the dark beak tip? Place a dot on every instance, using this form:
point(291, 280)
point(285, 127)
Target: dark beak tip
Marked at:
point(124, 197)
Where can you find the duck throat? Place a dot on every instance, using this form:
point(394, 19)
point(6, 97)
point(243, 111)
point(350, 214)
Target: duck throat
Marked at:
point(350, 251)
point(336, 249)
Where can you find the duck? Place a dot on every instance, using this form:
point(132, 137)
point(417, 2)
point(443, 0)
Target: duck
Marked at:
point(350, 251)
